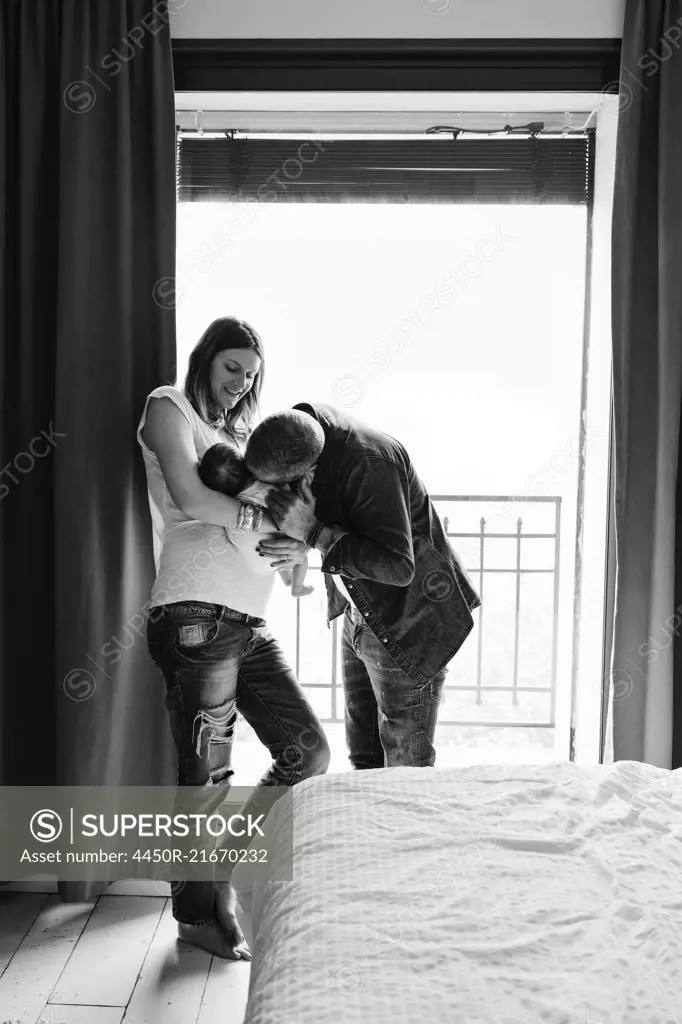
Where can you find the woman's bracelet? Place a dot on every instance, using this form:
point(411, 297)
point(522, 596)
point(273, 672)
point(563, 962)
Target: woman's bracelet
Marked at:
point(246, 516)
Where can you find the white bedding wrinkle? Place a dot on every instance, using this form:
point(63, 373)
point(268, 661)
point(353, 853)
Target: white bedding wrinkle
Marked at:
point(548, 894)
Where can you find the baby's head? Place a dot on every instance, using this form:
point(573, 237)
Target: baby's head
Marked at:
point(222, 468)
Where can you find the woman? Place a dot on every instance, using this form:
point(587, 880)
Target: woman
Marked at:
point(206, 629)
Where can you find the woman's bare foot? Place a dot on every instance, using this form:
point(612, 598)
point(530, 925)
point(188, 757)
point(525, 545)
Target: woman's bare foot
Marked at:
point(214, 939)
point(225, 902)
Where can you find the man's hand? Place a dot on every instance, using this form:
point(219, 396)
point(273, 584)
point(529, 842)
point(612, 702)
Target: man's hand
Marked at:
point(294, 514)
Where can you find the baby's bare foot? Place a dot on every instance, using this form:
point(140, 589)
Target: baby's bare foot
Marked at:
point(229, 945)
point(302, 591)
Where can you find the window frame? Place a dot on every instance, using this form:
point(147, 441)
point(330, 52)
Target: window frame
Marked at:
point(403, 65)
point(585, 723)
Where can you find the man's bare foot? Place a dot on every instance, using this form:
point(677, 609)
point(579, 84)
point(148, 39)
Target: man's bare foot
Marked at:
point(215, 940)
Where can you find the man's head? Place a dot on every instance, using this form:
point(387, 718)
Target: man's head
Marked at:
point(284, 447)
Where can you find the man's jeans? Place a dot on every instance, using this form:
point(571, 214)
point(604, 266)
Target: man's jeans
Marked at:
point(214, 661)
point(390, 721)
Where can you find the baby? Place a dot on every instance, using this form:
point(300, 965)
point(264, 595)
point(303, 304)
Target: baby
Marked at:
point(223, 469)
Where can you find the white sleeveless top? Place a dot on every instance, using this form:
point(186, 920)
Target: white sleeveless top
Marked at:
point(198, 561)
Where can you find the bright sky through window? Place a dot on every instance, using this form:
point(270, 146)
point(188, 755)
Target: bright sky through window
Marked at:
point(459, 330)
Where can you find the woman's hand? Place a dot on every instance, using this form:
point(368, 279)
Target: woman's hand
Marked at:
point(286, 551)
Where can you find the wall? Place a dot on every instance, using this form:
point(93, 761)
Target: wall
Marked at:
point(409, 19)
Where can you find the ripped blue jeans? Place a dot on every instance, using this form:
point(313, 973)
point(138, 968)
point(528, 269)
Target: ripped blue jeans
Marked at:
point(216, 661)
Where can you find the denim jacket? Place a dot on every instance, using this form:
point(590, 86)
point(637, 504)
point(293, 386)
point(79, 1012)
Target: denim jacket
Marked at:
point(395, 560)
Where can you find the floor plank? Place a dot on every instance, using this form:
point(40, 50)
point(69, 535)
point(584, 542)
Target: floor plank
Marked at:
point(172, 979)
point(126, 887)
point(226, 992)
point(109, 956)
point(66, 955)
point(31, 975)
point(227, 988)
point(81, 1015)
point(38, 883)
point(18, 911)
point(139, 887)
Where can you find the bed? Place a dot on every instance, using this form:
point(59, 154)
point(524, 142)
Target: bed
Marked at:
point(486, 895)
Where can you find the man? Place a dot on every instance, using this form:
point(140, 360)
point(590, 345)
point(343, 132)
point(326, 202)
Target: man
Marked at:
point(387, 563)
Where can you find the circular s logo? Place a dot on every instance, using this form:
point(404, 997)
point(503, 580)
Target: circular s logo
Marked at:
point(168, 293)
point(167, 885)
point(46, 826)
point(348, 389)
point(438, 585)
point(79, 684)
point(346, 977)
point(438, 6)
point(79, 97)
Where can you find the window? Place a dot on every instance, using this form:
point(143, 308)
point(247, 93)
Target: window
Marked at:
point(436, 288)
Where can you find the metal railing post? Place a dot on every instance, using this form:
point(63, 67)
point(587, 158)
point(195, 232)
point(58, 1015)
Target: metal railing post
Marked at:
point(335, 655)
point(521, 536)
point(479, 668)
point(555, 625)
point(298, 637)
point(517, 614)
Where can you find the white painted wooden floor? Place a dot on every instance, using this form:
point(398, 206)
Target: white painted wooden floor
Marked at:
point(117, 961)
point(113, 962)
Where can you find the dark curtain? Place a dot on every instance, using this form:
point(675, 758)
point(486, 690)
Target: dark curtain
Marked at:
point(646, 706)
point(677, 650)
point(87, 329)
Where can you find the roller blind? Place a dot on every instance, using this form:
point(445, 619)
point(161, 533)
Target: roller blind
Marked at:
point(374, 170)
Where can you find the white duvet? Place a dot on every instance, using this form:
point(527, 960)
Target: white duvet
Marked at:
point(495, 895)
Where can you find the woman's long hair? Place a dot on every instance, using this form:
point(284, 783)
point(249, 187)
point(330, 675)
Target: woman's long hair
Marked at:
point(225, 332)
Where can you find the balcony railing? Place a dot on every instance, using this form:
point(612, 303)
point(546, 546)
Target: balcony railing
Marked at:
point(473, 545)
